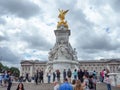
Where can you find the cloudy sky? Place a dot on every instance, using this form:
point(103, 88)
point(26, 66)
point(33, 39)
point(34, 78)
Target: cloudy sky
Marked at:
point(27, 28)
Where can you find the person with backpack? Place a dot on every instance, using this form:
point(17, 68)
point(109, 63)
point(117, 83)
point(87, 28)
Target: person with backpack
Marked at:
point(92, 83)
point(89, 83)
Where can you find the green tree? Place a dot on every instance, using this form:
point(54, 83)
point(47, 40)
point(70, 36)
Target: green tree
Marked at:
point(15, 71)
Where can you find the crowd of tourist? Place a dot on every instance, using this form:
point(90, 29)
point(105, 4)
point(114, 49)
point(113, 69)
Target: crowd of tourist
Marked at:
point(76, 78)
point(66, 80)
point(82, 80)
point(85, 79)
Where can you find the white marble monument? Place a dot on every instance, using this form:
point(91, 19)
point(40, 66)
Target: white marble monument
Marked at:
point(62, 55)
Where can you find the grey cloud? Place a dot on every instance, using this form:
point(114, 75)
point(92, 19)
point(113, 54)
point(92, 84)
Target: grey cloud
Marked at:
point(20, 8)
point(2, 21)
point(91, 45)
point(66, 4)
point(89, 54)
point(115, 4)
point(90, 50)
point(85, 56)
point(35, 40)
point(97, 3)
point(79, 19)
point(8, 56)
point(92, 41)
point(3, 38)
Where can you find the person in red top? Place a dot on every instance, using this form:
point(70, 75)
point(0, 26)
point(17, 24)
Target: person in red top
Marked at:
point(102, 74)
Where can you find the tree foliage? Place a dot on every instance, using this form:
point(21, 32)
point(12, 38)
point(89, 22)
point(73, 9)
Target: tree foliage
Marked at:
point(15, 71)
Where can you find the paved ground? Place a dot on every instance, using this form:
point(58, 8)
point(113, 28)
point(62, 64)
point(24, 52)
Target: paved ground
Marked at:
point(31, 86)
point(101, 86)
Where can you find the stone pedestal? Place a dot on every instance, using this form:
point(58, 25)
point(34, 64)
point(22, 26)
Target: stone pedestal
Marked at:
point(63, 64)
point(62, 55)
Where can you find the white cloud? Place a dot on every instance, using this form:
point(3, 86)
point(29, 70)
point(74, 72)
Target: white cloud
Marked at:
point(20, 8)
point(27, 28)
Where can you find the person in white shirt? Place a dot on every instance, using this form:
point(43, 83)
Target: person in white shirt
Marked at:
point(86, 82)
point(49, 76)
point(108, 82)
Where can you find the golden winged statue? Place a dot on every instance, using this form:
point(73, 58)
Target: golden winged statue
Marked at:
point(61, 15)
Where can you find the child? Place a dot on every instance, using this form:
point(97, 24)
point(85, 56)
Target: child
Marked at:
point(108, 82)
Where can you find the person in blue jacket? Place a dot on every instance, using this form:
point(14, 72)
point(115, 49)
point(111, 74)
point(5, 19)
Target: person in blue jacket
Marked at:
point(66, 85)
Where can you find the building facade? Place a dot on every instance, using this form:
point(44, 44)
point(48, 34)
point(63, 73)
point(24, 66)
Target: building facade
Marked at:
point(30, 66)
